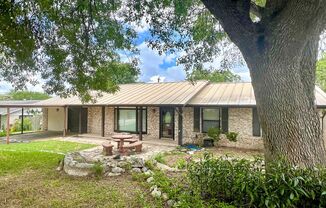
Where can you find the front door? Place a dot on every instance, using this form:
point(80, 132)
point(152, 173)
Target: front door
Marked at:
point(167, 122)
point(77, 120)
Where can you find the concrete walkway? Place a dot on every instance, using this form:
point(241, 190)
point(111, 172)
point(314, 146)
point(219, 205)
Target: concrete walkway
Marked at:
point(150, 147)
point(32, 136)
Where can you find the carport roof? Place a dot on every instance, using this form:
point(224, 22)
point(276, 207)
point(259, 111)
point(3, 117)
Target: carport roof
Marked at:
point(201, 93)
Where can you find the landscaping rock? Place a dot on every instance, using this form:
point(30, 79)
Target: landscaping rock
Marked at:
point(156, 193)
point(74, 168)
point(165, 196)
point(60, 167)
point(144, 169)
point(165, 167)
point(117, 157)
point(112, 164)
point(170, 203)
point(148, 173)
point(122, 164)
point(153, 187)
point(150, 179)
point(112, 174)
point(117, 170)
point(136, 170)
point(137, 162)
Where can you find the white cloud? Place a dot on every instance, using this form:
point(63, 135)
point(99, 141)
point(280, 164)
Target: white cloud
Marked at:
point(156, 78)
point(6, 87)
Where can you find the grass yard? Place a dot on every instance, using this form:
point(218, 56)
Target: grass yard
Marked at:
point(177, 158)
point(28, 179)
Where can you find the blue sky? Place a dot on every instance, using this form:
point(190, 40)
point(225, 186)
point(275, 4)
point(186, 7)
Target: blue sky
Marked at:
point(152, 65)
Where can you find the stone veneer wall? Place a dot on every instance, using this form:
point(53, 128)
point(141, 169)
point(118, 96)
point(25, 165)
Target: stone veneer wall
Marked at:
point(109, 121)
point(94, 122)
point(45, 116)
point(188, 125)
point(153, 123)
point(95, 119)
point(240, 121)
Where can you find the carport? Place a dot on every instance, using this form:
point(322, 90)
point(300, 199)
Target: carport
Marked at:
point(58, 113)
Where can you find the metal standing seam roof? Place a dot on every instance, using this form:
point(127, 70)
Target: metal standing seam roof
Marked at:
point(165, 93)
point(225, 94)
point(237, 94)
point(201, 93)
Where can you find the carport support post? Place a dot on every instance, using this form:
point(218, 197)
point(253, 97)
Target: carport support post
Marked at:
point(180, 125)
point(22, 122)
point(65, 123)
point(8, 124)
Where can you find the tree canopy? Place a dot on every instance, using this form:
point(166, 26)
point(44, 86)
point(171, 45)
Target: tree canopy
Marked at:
point(214, 75)
point(27, 95)
point(67, 42)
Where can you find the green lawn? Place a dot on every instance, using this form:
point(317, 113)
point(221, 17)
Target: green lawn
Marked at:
point(44, 146)
point(29, 179)
point(18, 157)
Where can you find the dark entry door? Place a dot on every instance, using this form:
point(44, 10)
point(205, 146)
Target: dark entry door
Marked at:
point(84, 119)
point(77, 120)
point(73, 119)
point(167, 122)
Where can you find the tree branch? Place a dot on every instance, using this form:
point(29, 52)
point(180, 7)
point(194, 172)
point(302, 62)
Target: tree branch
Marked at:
point(235, 20)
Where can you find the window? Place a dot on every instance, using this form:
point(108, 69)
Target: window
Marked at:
point(210, 118)
point(127, 120)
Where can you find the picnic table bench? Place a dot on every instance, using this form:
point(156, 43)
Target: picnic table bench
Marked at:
point(107, 149)
point(125, 140)
point(136, 145)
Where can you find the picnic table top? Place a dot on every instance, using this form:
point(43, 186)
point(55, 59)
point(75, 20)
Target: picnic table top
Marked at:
point(122, 136)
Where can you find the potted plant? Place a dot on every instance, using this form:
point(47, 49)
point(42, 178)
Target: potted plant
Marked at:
point(213, 136)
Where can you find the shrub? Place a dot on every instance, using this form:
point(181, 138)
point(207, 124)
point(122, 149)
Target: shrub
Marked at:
point(214, 133)
point(160, 158)
point(27, 125)
point(232, 136)
point(150, 164)
point(97, 170)
point(246, 184)
point(181, 164)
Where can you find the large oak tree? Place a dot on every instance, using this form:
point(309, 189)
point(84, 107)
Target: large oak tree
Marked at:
point(67, 41)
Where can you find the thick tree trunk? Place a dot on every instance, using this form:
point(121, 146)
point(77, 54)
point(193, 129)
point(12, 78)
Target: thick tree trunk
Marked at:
point(280, 51)
point(283, 81)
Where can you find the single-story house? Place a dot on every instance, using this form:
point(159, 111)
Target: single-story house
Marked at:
point(175, 111)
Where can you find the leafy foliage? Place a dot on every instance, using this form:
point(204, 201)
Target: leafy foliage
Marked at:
point(214, 133)
point(232, 136)
point(27, 125)
point(27, 95)
point(63, 42)
point(321, 73)
point(245, 183)
point(69, 43)
point(214, 75)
